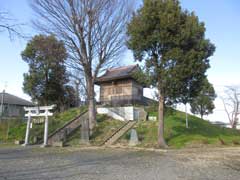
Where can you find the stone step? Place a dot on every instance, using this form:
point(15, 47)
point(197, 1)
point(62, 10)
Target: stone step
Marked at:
point(108, 138)
point(120, 132)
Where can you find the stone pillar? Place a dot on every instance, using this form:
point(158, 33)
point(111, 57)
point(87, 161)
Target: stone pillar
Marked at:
point(85, 132)
point(45, 143)
point(133, 138)
point(27, 130)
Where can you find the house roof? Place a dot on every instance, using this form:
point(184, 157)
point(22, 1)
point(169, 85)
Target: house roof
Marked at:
point(14, 100)
point(117, 73)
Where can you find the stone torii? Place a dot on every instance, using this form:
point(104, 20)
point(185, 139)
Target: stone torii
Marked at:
point(42, 111)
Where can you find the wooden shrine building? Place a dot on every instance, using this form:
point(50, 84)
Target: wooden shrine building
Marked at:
point(119, 87)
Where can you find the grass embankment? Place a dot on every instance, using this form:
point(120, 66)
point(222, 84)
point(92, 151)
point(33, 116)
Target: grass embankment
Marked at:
point(17, 128)
point(199, 133)
point(104, 128)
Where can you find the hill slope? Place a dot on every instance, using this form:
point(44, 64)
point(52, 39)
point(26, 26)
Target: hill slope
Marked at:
point(200, 132)
point(17, 128)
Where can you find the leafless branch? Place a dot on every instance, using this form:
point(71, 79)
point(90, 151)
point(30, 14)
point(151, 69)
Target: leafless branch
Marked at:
point(231, 103)
point(9, 24)
point(93, 30)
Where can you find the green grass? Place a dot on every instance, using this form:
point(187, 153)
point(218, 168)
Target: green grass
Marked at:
point(10, 125)
point(104, 128)
point(17, 128)
point(199, 133)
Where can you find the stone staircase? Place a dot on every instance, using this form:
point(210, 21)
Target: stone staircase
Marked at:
point(119, 133)
point(62, 133)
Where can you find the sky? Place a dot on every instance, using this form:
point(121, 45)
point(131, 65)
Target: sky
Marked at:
point(221, 18)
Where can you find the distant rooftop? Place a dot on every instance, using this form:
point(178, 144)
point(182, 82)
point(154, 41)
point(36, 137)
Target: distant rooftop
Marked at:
point(117, 73)
point(14, 100)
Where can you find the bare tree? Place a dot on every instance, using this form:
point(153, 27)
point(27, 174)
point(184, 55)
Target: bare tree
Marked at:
point(231, 102)
point(93, 32)
point(7, 23)
point(78, 80)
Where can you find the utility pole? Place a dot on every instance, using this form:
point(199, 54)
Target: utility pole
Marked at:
point(2, 102)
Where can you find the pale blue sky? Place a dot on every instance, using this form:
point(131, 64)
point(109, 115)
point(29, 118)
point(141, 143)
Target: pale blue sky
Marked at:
point(223, 28)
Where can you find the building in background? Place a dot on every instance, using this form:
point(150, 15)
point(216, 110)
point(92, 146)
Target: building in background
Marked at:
point(12, 106)
point(121, 94)
point(225, 125)
point(119, 87)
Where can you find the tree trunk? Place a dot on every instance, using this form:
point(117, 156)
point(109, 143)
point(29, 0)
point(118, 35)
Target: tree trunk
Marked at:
point(234, 124)
point(201, 110)
point(92, 114)
point(46, 87)
point(161, 141)
point(91, 105)
point(77, 94)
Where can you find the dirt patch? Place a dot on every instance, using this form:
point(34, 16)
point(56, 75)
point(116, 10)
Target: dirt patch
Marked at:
point(211, 163)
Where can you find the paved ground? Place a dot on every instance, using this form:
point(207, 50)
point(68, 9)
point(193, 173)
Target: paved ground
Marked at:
point(71, 163)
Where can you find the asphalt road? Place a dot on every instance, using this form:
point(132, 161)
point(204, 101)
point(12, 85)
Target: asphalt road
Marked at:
point(72, 163)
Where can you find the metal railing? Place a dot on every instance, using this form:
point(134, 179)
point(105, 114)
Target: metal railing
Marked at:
point(124, 100)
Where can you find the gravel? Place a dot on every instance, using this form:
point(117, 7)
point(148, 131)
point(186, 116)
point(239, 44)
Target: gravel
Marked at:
point(23, 163)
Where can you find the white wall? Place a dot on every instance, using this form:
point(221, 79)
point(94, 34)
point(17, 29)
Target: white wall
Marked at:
point(128, 113)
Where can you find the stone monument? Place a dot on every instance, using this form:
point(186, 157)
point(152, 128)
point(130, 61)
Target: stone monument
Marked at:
point(133, 138)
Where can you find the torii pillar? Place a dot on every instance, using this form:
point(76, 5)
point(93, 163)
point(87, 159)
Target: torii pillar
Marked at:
point(26, 142)
point(45, 143)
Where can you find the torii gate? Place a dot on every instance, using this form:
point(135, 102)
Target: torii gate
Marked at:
point(42, 111)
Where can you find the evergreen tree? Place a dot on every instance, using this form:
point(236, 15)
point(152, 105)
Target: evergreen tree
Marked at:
point(70, 97)
point(203, 104)
point(46, 79)
point(172, 43)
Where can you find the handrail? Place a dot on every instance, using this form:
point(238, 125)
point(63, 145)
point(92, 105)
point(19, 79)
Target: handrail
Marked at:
point(116, 112)
point(125, 125)
point(67, 123)
point(123, 100)
point(109, 137)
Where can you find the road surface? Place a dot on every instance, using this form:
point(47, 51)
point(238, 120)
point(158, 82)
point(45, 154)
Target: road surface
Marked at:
point(19, 163)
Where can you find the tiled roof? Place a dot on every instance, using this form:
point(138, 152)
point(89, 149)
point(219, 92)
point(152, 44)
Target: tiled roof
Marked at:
point(14, 100)
point(117, 73)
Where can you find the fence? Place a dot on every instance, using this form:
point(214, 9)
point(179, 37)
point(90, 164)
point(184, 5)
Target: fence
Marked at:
point(124, 100)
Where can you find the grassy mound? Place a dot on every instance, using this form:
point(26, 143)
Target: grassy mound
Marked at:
point(17, 128)
point(104, 128)
point(199, 133)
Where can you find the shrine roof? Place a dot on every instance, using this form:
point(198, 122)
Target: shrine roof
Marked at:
point(124, 72)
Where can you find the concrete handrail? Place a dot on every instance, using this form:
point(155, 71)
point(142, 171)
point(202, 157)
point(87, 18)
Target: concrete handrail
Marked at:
point(115, 132)
point(66, 124)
